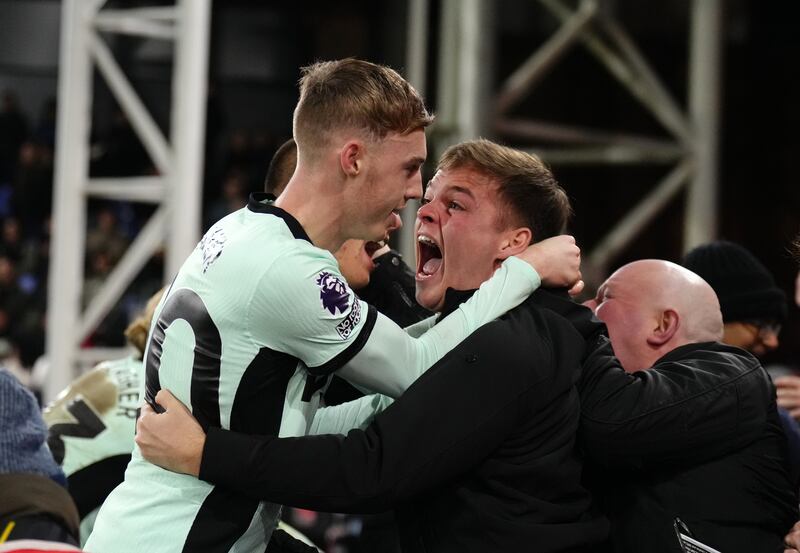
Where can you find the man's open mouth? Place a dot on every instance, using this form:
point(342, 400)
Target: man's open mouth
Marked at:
point(371, 247)
point(430, 256)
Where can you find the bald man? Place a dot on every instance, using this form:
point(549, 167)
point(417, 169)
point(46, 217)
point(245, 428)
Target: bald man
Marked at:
point(682, 430)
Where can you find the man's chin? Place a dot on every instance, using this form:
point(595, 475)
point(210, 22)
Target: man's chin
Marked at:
point(432, 300)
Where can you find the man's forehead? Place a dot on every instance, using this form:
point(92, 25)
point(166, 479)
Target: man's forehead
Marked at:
point(464, 179)
point(414, 140)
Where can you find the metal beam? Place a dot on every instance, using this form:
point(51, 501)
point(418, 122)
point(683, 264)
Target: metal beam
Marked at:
point(176, 190)
point(629, 76)
point(416, 73)
point(533, 129)
point(69, 208)
point(135, 189)
point(189, 86)
point(634, 222)
point(704, 99)
point(142, 122)
point(138, 22)
point(136, 256)
point(545, 57)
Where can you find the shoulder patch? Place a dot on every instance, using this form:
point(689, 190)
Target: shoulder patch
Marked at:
point(211, 245)
point(333, 292)
point(336, 297)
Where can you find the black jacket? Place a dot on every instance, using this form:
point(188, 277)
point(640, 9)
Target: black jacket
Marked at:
point(716, 460)
point(39, 509)
point(478, 455)
point(696, 438)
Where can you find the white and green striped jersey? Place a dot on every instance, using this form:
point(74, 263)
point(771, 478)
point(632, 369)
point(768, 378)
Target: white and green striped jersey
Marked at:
point(247, 336)
point(91, 428)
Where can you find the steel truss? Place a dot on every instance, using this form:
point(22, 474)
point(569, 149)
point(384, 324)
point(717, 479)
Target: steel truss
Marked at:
point(692, 144)
point(176, 191)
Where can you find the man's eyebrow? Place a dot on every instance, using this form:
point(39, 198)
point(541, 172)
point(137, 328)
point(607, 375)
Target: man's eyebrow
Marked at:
point(415, 162)
point(462, 189)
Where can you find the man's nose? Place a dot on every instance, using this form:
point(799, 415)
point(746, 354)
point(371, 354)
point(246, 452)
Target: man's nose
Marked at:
point(770, 340)
point(414, 190)
point(426, 213)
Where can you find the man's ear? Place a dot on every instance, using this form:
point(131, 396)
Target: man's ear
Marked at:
point(667, 325)
point(514, 241)
point(351, 158)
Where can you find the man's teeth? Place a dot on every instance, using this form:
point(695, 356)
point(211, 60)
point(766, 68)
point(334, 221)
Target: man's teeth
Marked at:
point(426, 240)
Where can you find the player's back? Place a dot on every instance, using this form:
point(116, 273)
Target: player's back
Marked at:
point(91, 429)
point(207, 345)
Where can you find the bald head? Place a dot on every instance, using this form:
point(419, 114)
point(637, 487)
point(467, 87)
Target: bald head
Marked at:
point(652, 307)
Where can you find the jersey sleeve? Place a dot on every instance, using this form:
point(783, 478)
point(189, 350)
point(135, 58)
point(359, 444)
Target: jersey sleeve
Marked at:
point(340, 419)
point(392, 359)
point(432, 435)
point(304, 307)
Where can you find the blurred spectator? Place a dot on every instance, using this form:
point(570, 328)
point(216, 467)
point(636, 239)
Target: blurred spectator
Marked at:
point(12, 300)
point(106, 238)
point(13, 130)
point(753, 310)
point(753, 307)
point(33, 185)
point(45, 132)
point(97, 412)
point(119, 153)
point(11, 243)
point(234, 196)
point(34, 503)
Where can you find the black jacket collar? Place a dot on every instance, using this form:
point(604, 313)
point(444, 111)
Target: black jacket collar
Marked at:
point(452, 299)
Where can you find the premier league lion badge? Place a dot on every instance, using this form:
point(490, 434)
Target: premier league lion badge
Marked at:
point(333, 293)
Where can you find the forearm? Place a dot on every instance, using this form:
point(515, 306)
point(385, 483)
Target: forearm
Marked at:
point(433, 434)
point(391, 360)
point(670, 412)
point(339, 419)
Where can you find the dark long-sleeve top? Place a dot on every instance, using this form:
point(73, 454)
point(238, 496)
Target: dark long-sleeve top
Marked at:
point(695, 437)
point(479, 454)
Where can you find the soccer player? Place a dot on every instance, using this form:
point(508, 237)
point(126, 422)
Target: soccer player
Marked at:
point(259, 317)
point(479, 454)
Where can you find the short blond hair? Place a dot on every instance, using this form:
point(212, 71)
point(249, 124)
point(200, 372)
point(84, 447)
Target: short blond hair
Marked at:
point(354, 94)
point(530, 195)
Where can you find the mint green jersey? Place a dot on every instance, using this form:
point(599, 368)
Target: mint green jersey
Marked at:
point(247, 336)
point(91, 428)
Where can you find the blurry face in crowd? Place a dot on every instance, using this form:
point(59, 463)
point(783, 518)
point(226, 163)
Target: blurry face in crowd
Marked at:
point(758, 338)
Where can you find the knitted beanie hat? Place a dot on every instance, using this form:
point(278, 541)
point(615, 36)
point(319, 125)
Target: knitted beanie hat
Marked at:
point(23, 433)
point(745, 288)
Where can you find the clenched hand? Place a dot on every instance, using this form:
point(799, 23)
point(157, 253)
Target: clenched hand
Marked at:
point(173, 439)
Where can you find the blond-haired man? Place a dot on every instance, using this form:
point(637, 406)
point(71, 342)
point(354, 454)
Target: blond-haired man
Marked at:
point(259, 317)
point(479, 453)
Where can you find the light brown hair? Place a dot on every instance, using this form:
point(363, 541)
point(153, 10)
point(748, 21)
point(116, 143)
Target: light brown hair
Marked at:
point(529, 193)
point(136, 333)
point(354, 94)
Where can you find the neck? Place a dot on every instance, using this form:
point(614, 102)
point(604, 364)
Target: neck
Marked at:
point(316, 203)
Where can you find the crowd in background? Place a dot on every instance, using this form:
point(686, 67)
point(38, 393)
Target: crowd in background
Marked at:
point(236, 164)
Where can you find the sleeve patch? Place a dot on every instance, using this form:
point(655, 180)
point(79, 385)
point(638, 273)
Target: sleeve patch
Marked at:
point(336, 297)
point(333, 293)
point(346, 327)
point(211, 245)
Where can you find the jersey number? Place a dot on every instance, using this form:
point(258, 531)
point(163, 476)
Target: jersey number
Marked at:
point(185, 304)
point(87, 425)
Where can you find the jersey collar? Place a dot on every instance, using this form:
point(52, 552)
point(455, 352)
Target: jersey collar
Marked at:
point(261, 202)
